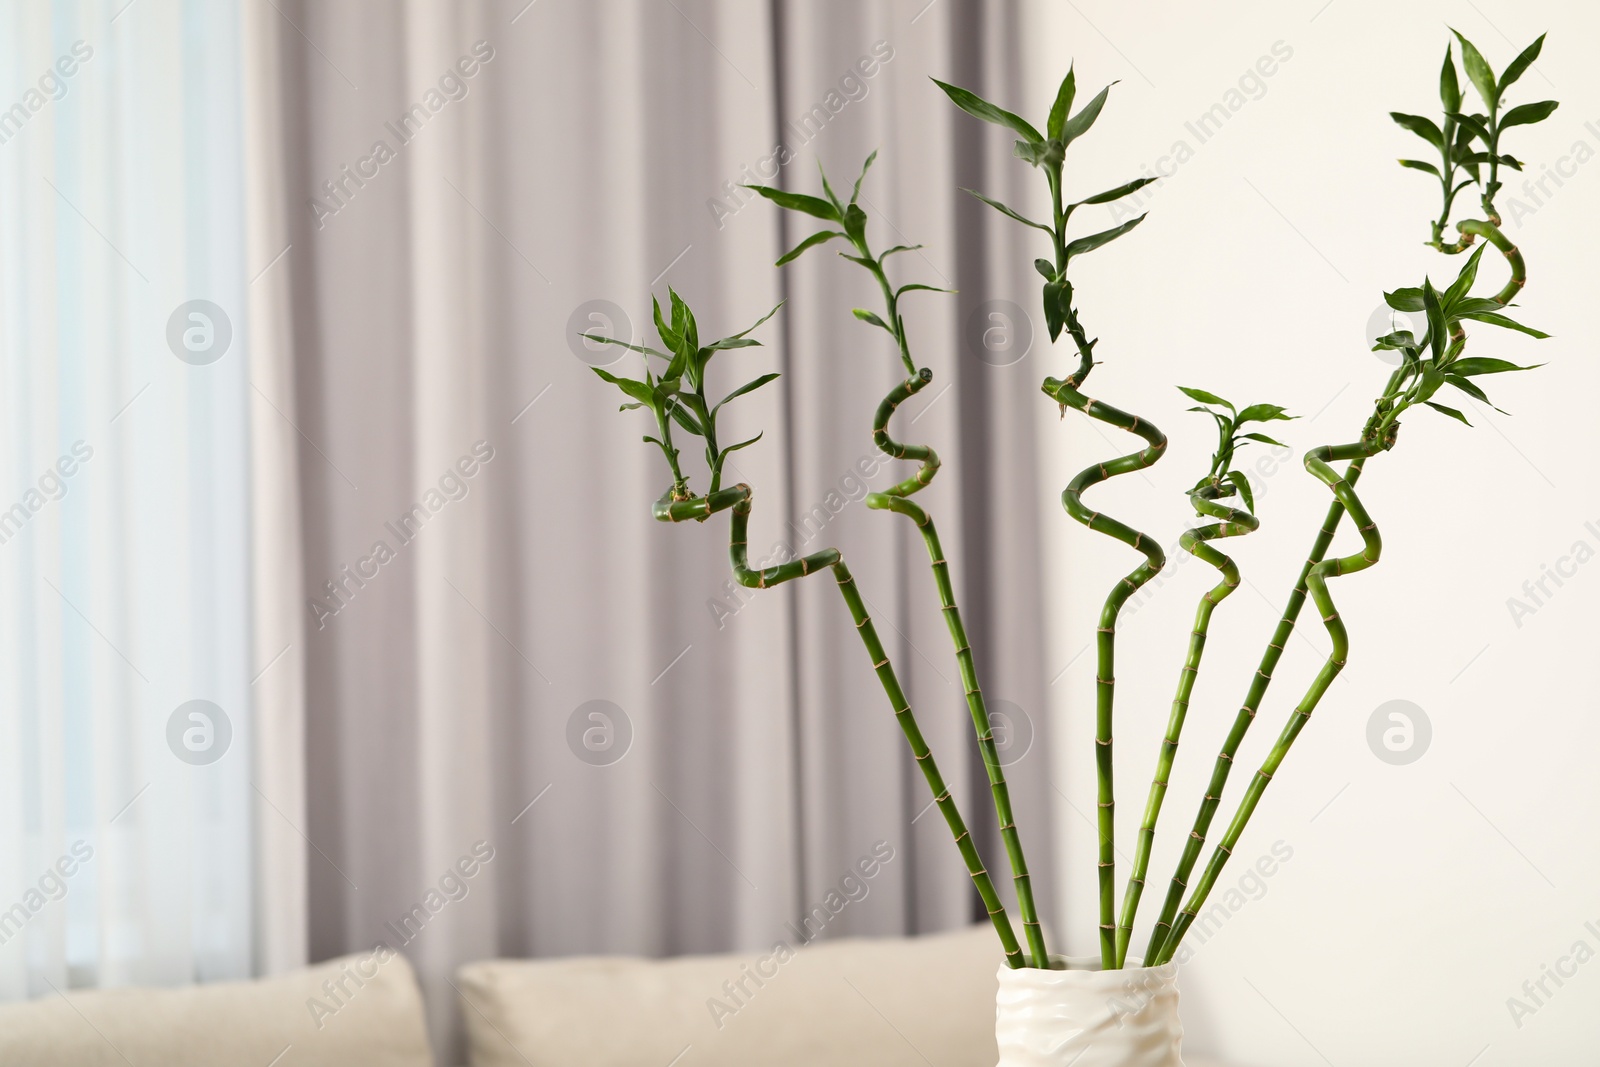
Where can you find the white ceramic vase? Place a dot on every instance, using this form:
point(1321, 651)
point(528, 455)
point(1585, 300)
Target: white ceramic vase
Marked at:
point(1087, 1017)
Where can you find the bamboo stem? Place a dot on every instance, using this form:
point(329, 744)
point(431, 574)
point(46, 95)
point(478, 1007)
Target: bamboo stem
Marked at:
point(738, 498)
point(1318, 463)
point(1235, 523)
point(1066, 394)
point(897, 499)
point(1241, 724)
point(1513, 256)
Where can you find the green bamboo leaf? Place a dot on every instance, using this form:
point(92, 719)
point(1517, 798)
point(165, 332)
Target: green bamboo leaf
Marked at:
point(1399, 339)
point(1423, 128)
point(1494, 319)
point(1079, 124)
point(1417, 164)
point(683, 322)
point(1115, 194)
point(1449, 84)
point(1474, 365)
point(866, 316)
point(747, 387)
point(623, 344)
point(980, 108)
point(1407, 299)
point(1521, 64)
point(918, 285)
point(1478, 71)
point(855, 222)
point(1527, 114)
point(1045, 267)
point(1095, 240)
point(810, 242)
point(1030, 151)
point(827, 190)
point(1264, 439)
point(732, 342)
point(1436, 323)
point(1463, 283)
point(1466, 385)
point(636, 389)
point(1263, 413)
point(1053, 315)
point(1204, 398)
point(669, 336)
point(752, 327)
point(1008, 212)
point(1063, 105)
point(1477, 124)
point(898, 248)
point(855, 194)
point(810, 205)
point(682, 417)
point(1241, 483)
point(743, 444)
point(1432, 379)
point(1452, 412)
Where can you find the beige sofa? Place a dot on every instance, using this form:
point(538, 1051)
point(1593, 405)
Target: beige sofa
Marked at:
point(890, 1002)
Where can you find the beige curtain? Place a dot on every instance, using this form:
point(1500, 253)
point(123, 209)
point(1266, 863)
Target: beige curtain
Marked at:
point(473, 564)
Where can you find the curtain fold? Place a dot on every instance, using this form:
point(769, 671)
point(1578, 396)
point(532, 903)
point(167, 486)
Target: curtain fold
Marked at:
point(505, 659)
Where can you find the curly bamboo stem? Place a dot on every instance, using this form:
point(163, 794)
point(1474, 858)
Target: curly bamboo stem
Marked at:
point(1513, 256)
point(1317, 461)
point(1246, 716)
point(1066, 394)
point(738, 498)
point(1235, 523)
point(897, 499)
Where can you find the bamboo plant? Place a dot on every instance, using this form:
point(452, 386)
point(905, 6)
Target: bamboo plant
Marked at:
point(852, 220)
point(673, 389)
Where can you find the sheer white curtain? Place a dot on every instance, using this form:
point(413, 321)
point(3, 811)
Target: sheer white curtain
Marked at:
point(125, 809)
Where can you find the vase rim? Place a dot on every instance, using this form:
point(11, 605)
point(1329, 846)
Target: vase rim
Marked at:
point(1086, 971)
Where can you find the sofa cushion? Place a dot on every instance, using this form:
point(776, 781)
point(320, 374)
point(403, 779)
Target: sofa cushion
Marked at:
point(362, 1009)
point(884, 1003)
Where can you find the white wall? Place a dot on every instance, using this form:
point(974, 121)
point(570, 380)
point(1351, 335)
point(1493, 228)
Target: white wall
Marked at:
point(1418, 898)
